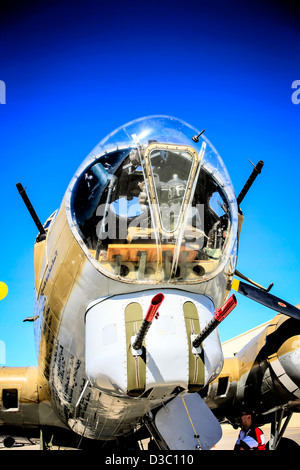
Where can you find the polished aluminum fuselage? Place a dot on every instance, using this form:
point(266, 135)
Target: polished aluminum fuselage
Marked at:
point(76, 303)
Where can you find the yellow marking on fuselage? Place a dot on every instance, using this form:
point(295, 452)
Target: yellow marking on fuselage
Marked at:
point(235, 285)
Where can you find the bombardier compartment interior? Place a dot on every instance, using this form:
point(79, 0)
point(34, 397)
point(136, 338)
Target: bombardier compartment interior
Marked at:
point(114, 205)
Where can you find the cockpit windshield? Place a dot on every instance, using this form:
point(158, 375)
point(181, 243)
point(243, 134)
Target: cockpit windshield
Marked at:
point(153, 205)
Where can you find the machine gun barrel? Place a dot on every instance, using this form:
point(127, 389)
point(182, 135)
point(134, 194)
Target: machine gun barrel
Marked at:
point(31, 209)
point(219, 316)
point(256, 171)
point(151, 313)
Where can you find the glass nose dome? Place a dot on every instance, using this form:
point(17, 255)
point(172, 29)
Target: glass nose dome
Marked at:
point(153, 203)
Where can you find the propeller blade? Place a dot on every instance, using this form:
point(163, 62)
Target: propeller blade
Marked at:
point(266, 299)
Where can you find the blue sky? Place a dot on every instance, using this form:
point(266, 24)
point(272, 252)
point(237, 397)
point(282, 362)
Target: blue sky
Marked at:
point(74, 71)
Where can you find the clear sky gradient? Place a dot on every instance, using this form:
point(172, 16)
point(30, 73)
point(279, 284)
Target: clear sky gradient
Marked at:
point(74, 71)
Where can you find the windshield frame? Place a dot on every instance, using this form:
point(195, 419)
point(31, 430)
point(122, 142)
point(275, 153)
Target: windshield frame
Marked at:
point(152, 187)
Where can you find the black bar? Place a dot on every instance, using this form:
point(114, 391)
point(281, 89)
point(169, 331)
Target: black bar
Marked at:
point(205, 332)
point(141, 335)
point(269, 300)
point(250, 181)
point(30, 209)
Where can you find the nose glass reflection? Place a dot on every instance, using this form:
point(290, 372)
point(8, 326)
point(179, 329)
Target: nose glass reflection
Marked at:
point(154, 210)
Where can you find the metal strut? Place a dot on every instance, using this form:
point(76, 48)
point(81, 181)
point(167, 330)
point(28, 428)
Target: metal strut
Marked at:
point(277, 433)
point(159, 441)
